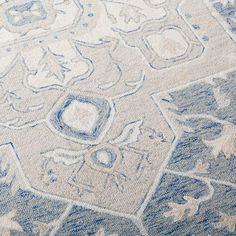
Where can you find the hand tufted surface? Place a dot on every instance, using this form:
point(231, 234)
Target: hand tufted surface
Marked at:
point(117, 117)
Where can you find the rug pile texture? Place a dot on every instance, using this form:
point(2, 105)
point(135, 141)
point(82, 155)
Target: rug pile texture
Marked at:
point(117, 117)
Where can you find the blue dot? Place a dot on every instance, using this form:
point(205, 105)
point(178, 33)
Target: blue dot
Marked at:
point(196, 27)
point(205, 38)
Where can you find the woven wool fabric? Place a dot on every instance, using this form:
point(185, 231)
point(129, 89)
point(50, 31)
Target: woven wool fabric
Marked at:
point(117, 117)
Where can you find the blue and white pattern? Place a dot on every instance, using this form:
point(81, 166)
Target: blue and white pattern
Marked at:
point(117, 117)
point(198, 188)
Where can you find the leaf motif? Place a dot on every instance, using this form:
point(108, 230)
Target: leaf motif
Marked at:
point(43, 228)
point(66, 157)
point(129, 134)
point(226, 221)
point(54, 64)
point(6, 221)
point(200, 168)
point(221, 99)
point(101, 232)
point(225, 143)
point(178, 210)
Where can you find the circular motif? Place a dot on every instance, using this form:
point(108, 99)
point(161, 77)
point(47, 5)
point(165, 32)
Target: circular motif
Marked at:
point(104, 157)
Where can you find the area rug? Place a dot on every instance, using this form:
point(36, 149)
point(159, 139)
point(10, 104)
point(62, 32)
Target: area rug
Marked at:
point(117, 117)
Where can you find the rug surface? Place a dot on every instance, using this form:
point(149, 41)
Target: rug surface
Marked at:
point(117, 117)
